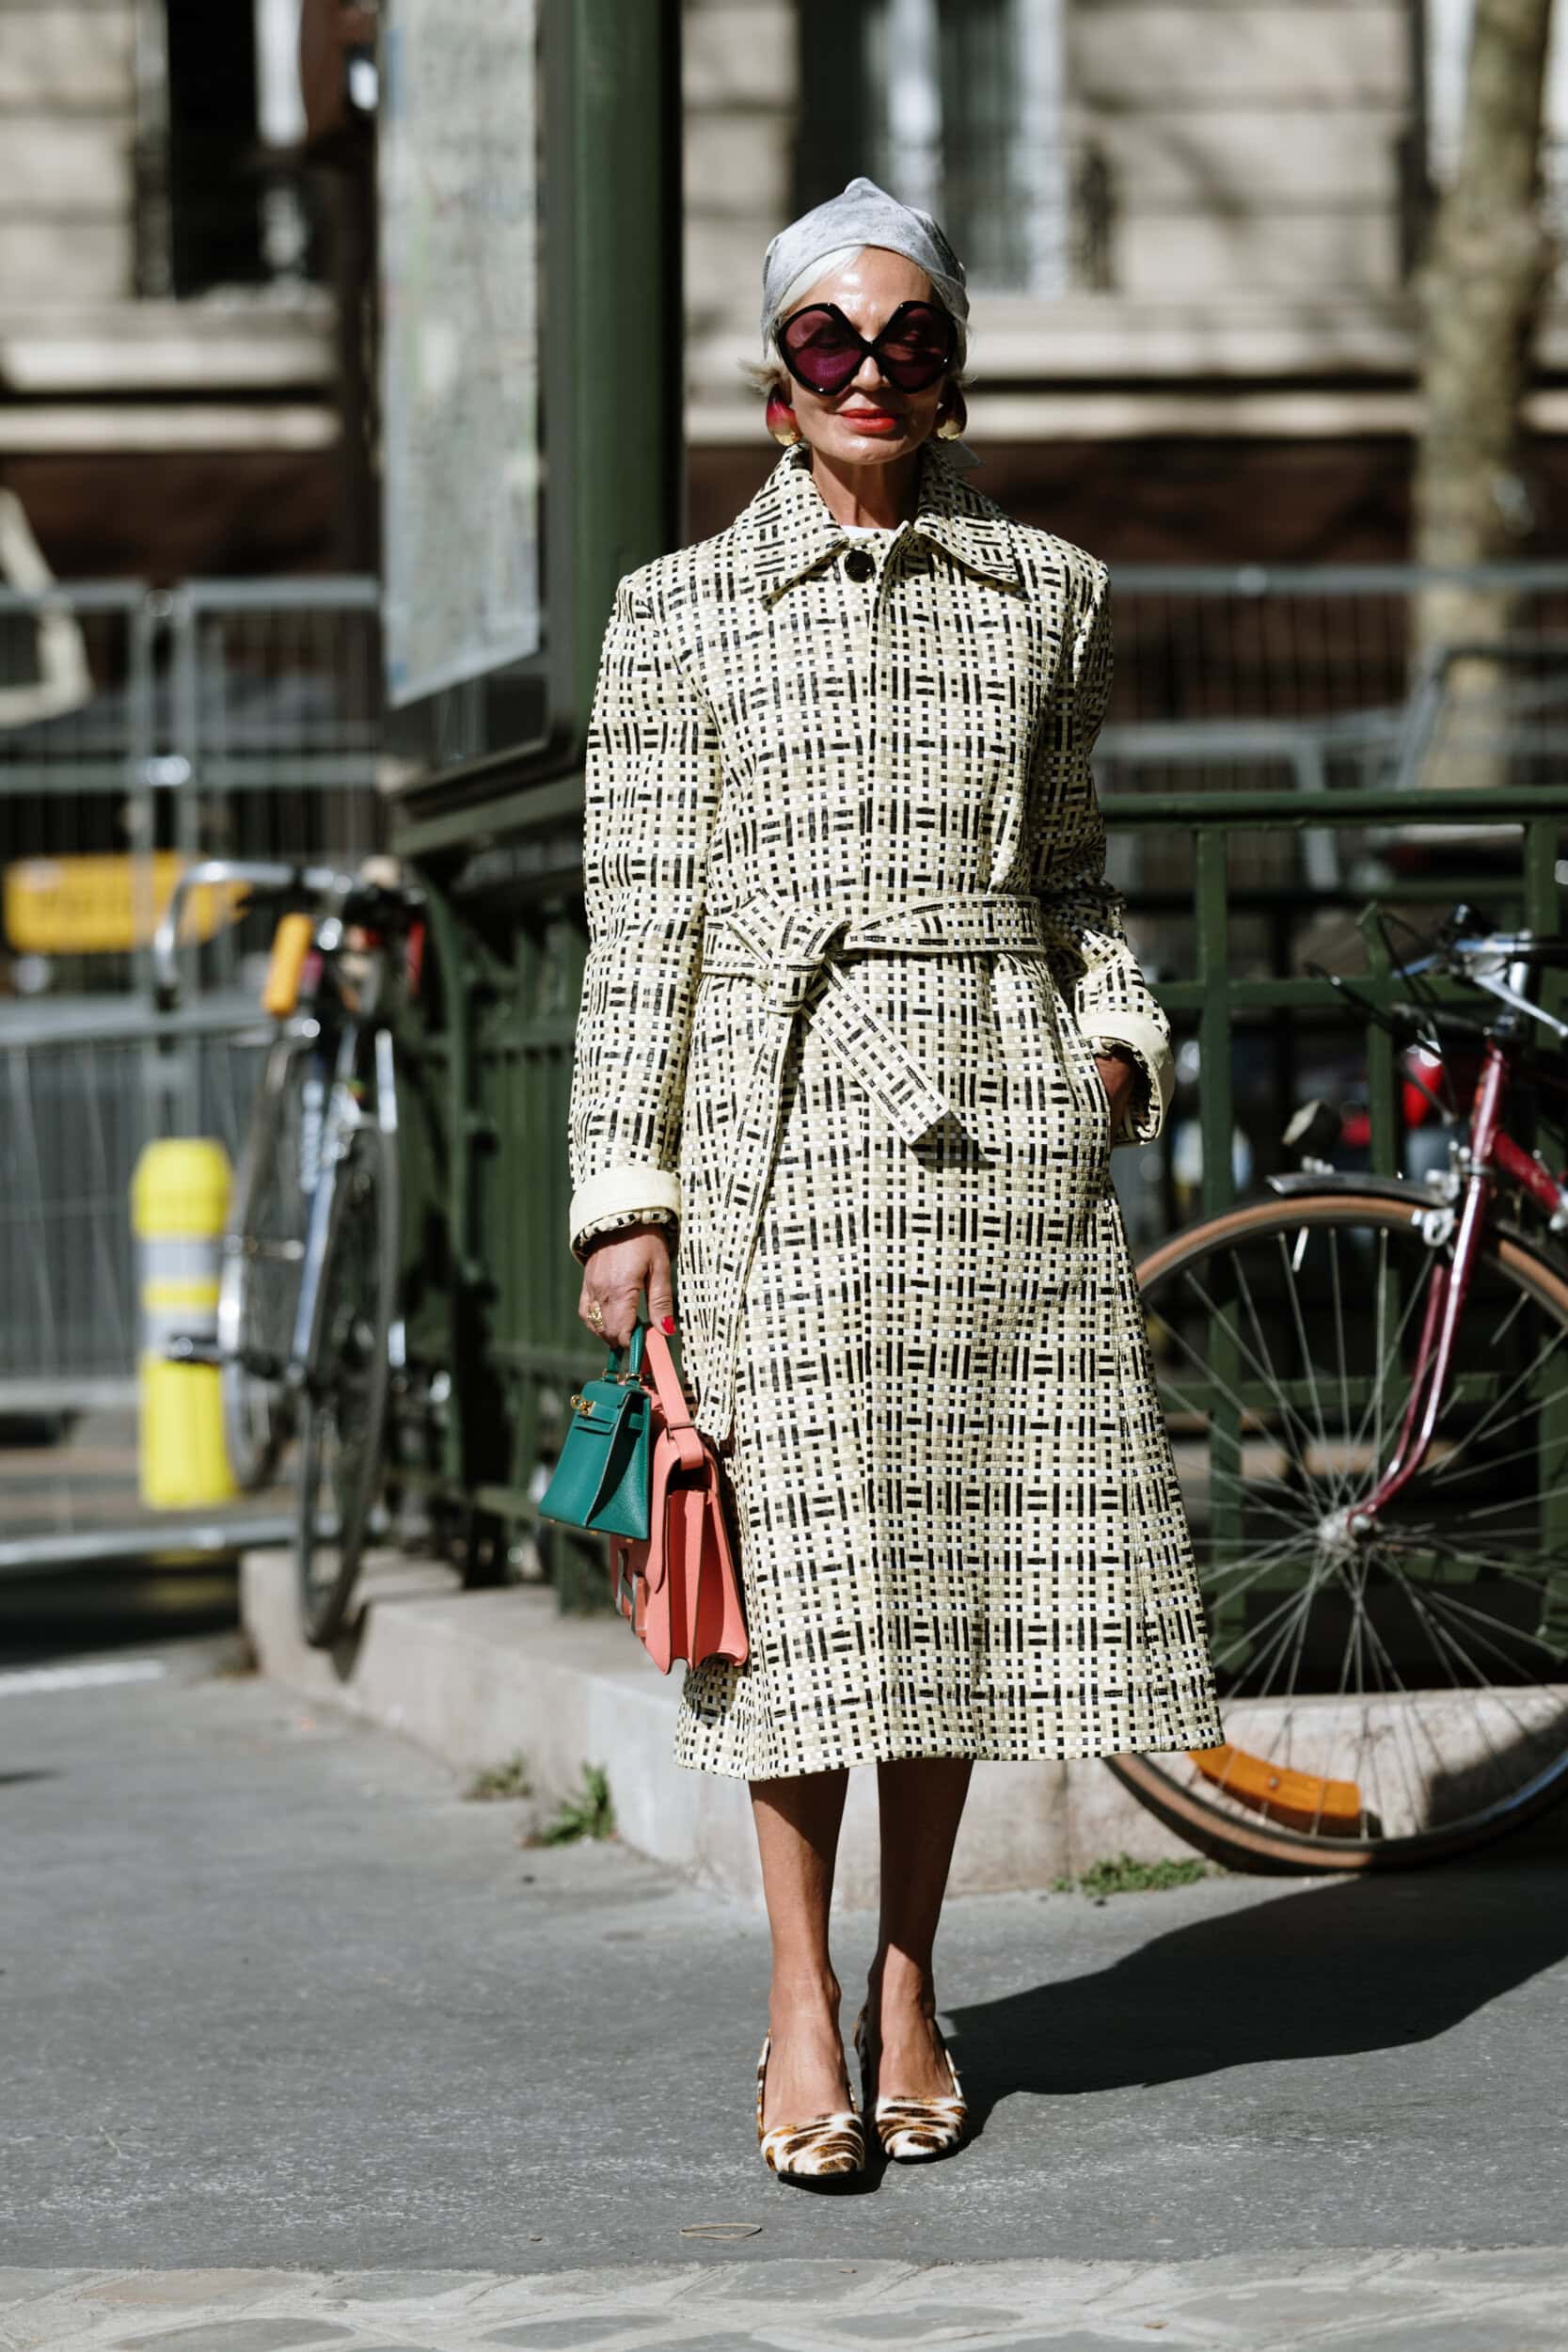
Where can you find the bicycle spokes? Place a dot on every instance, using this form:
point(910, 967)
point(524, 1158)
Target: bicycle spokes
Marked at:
point(1386, 1678)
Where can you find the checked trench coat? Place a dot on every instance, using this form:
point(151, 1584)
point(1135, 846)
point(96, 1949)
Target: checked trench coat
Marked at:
point(850, 952)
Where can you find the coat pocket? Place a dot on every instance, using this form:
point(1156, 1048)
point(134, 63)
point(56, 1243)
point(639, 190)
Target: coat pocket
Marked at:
point(1102, 1096)
point(1091, 1084)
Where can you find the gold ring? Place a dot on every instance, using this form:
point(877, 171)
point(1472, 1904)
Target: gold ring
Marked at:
point(595, 1313)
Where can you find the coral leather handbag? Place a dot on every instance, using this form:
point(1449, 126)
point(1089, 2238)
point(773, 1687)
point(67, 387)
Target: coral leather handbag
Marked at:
point(678, 1587)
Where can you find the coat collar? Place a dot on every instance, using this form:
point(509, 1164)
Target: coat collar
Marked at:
point(790, 533)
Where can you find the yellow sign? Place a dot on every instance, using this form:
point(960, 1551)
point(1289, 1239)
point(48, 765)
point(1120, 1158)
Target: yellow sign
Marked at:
point(101, 906)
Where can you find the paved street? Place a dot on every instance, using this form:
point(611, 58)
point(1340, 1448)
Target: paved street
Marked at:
point(281, 2003)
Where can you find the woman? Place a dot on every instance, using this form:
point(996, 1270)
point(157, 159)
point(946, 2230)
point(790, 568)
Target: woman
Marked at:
point(859, 1026)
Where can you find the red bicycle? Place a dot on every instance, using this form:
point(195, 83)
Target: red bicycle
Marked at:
point(1366, 1384)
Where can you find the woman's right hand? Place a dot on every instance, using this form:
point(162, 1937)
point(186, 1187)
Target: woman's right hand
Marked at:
point(619, 1268)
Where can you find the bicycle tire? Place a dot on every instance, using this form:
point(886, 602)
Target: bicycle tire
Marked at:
point(263, 1248)
point(347, 1381)
point(1242, 1823)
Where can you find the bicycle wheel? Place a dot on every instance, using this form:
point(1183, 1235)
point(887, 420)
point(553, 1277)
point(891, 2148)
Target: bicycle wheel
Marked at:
point(1391, 1696)
point(347, 1377)
point(263, 1251)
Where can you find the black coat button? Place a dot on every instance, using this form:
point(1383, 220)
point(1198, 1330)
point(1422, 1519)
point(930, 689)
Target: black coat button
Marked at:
point(860, 563)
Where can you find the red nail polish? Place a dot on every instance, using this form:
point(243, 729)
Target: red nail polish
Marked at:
point(668, 1323)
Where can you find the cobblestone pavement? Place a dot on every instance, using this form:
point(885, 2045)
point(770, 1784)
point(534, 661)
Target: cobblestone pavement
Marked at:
point(1463, 2301)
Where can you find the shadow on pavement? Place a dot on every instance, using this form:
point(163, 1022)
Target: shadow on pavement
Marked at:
point(1324, 1972)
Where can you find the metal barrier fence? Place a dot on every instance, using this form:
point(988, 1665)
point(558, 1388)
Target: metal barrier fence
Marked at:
point(78, 738)
point(142, 727)
point(1250, 678)
point(83, 1087)
point(1325, 653)
point(280, 698)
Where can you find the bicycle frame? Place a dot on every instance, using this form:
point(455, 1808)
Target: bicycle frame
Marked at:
point(1491, 1153)
point(344, 1114)
point(330, 893)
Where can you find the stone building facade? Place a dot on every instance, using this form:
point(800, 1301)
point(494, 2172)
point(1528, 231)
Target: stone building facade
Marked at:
point(167, 339)
point(1189, 225)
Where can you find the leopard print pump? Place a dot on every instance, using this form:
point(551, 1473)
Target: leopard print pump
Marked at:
point(828, 2145)
point(912, 2131)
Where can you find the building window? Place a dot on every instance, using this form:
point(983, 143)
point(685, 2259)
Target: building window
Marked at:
point(955, 105)
point(222, 198)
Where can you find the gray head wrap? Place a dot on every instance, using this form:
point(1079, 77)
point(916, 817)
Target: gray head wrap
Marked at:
point(866, 214)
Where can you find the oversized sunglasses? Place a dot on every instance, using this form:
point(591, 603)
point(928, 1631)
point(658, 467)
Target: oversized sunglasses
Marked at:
point(823, 352)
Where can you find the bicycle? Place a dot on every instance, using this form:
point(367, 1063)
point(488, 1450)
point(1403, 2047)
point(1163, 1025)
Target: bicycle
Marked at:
point(1366, 1385)
point(308, 1336)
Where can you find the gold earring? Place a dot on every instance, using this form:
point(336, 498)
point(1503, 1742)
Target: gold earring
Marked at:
point(781, 421)
point(954, 417)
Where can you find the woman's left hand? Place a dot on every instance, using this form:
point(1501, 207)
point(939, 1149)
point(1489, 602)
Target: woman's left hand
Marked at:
point(1120, 1078)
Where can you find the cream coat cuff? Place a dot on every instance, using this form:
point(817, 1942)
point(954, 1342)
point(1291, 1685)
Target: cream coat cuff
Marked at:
point(625, 1192)
point(1148, 1040)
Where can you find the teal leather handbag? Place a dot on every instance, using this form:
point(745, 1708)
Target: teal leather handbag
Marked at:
point(603, 1478)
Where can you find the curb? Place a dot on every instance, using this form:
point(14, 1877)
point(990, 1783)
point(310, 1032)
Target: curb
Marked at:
point(476, 1677)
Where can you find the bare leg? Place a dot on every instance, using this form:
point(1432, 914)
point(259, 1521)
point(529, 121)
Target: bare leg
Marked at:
point(922, 1803)
point(798, 1820)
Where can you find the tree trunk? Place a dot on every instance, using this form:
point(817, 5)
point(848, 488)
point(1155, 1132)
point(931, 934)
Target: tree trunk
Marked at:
point(1479, 294)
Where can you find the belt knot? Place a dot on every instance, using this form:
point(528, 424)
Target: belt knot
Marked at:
point(796, 949)
point(786, 948)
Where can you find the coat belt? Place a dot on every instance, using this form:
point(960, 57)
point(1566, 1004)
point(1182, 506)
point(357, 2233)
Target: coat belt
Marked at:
point(787, 947)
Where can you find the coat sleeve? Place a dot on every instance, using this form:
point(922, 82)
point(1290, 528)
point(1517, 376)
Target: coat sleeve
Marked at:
point(651, 794)
point(1110, 999)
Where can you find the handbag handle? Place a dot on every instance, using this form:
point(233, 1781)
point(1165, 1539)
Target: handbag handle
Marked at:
point(633, 1353)
point(677, 1412)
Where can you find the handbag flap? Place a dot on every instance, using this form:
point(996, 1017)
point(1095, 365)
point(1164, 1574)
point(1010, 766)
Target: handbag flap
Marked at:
point(599, 1460)
point(620, 1441)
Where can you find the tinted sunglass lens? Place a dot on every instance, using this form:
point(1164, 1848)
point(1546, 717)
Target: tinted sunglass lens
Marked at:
point(916, 355)
point(829, 372)
point(820, 351)
point(912, 373)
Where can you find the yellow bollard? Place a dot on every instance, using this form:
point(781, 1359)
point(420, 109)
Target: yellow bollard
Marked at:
point(178, 1206)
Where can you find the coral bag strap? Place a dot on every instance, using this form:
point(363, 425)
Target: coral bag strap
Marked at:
point(677, 1413)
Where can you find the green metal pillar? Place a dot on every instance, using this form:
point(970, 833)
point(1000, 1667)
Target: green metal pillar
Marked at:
point(623, 155)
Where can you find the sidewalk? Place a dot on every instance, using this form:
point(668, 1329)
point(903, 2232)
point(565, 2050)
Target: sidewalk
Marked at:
point(475, 1677)
point(280, 1999)
point(1389, 2301)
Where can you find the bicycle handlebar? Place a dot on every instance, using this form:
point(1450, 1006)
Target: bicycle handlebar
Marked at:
point(1474, 958)
point(265, 880)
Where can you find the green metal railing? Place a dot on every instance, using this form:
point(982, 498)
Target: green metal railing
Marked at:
point(1213, 998)
point(495, 1285)
point(1216, 1003)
